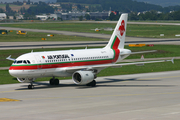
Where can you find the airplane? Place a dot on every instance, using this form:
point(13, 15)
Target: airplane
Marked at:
point(97, 29)
point(105, 29)
point(82, 64)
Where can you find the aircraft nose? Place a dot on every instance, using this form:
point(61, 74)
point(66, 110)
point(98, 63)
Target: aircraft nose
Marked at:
point(13, 73)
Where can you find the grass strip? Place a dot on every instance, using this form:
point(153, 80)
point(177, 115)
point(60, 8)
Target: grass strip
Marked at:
point(37, 37)
point(134, 30)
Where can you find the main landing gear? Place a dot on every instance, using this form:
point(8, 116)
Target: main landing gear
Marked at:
point(92, 84)
point(54, 81)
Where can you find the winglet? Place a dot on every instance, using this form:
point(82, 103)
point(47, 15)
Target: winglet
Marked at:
point(9, 58)
point(172, 60)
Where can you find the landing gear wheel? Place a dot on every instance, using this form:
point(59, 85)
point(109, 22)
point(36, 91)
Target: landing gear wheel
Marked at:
point(51, 82)
point(54, 82)
point(30, 86)
point(92, 84)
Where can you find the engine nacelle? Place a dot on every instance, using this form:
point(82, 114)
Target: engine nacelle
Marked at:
point(25, 80)
point(83, 77)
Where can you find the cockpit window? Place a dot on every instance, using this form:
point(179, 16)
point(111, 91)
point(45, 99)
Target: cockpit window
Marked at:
point(28, 62)
point(22, 62)
point(19, 61)
point(15, 61)
point(25, 62)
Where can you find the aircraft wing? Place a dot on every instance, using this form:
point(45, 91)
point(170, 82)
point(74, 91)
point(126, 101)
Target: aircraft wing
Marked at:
point(73, 69)
point(9, 58)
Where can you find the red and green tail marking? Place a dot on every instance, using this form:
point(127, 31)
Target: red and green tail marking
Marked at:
point(114, 46)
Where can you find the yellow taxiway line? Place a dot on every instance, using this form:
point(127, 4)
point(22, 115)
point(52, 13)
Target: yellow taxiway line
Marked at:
point(7, 100)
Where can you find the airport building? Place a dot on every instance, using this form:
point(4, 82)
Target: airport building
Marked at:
point(45, 17)
point(42, 17)
point(76, 15)
point(99, 15)
point(3, 16)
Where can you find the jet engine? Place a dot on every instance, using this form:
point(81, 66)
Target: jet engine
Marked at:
point(83, 77)
point(25, 80)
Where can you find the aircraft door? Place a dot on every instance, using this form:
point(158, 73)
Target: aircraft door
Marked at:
point(72, 58)
point(38, 61)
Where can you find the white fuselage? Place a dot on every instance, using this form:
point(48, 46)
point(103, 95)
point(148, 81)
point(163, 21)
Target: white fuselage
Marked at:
point(54, 63)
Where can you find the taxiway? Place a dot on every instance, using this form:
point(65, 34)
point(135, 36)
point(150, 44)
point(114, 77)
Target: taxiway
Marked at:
point(55, 44)
point(144, 96)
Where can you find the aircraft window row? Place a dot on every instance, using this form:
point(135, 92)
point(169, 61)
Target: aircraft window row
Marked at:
point(75, 59)
point(58, 60)
point(22, 62)
point(90, 58)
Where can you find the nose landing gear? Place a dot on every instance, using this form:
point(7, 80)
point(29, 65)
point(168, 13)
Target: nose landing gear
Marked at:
point(31, 86)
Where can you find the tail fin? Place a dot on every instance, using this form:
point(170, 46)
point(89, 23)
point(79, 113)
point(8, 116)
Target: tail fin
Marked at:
point(118, 37)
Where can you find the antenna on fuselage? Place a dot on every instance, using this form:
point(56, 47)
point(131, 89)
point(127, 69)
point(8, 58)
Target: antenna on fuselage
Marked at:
point(31, 51)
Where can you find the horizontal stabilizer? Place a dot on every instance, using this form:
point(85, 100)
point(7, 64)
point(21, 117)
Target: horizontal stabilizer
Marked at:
point(143, 52)
point(138, 52)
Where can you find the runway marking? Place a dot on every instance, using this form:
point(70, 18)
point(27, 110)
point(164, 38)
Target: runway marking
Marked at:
point(11, 91)
point(96, 96)
point(159, 78)
point(172, 113)
point(7, 100)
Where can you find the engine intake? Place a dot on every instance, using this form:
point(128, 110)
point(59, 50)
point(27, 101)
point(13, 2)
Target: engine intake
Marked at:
point(83, 77)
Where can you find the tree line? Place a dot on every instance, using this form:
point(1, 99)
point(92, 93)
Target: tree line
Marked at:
point(154, 15)
point(150, 15)
point(124, 5)
point(30, 13)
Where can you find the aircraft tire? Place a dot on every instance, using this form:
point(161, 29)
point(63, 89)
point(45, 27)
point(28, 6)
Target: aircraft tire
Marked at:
point(92, 84)
point(51, 82)
point(56, 82)
point(30, 86)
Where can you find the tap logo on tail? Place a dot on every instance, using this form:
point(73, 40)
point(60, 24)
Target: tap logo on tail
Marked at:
point(122, 28)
